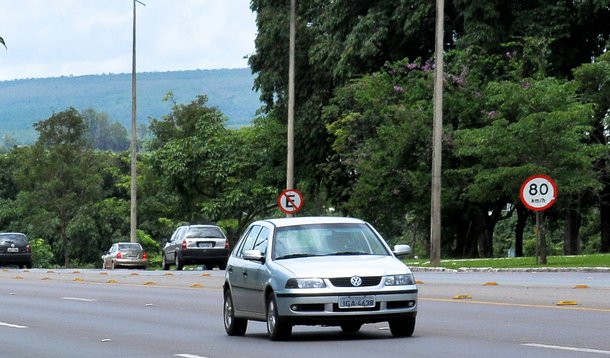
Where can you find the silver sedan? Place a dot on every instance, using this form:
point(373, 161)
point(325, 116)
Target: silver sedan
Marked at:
point(317, 271)
point(124, 254)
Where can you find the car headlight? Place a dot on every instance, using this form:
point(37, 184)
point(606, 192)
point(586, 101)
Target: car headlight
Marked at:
point(305, 283)
point(399, 280)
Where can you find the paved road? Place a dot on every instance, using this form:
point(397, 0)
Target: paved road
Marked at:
point(80, 313)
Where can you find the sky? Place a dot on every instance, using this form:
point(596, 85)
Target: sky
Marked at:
point(52, 38)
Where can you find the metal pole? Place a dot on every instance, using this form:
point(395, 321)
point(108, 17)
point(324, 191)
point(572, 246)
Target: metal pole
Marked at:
point(133, 236)
point(437, 147)
point(290, 130)
point(541, 238)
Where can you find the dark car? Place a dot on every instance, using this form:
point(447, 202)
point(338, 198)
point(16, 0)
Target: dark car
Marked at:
point(15, 250)
point(125, 254)
point(196, 245)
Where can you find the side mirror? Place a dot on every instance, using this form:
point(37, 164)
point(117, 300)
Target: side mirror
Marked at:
point(401, 250)
point(254, 255)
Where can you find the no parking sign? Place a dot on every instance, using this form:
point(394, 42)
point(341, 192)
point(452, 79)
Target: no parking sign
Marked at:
point(290, 201)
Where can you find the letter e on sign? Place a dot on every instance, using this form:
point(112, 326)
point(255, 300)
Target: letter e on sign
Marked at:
point(538, 192)
point(290, 201)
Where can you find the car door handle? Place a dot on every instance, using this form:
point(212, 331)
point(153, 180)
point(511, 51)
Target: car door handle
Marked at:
point(245, 274)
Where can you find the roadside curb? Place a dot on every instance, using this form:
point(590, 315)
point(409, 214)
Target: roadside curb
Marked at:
point(491, 269)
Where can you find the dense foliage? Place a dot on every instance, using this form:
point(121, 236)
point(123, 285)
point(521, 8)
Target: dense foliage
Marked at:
point(526, 92)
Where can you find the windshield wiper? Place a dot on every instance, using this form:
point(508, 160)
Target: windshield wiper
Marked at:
point(292, 256)
point(346, 253)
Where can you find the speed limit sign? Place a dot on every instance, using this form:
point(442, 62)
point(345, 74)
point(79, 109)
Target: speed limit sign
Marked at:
point(538, 192)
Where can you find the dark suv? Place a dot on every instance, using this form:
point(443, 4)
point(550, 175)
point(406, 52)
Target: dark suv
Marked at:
point(196, 244)
point(15, 250)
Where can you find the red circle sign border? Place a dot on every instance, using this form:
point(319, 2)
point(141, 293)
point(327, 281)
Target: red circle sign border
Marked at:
point(539, 176)
point(296, 208)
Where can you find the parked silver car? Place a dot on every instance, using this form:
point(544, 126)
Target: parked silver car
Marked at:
point(196, 244)
point(317, 271)
point(125, 254)
point(15, 250)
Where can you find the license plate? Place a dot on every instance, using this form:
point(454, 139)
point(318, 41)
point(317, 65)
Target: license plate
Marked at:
point(356, 301)
point(12, 249)
point(205, 245)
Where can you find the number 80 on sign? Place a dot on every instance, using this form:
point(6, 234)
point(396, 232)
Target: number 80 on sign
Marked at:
point(538, 192)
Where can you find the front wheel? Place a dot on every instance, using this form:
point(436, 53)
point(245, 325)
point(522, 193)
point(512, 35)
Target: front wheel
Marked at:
point(402, 327)
point(278, 328)
point(233, 326)
point(164, 263)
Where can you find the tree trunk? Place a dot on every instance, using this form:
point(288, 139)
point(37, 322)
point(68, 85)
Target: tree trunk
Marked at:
point(604, 213)
point(522, 215)
point(571, 240)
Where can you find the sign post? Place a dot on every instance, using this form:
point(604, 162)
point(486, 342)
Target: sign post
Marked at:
point(538, 193)
point(290, 201)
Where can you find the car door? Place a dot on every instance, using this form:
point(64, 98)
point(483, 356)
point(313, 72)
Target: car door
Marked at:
point(108, 256)
point(254, 276)
point(173, 244)
point(237, 269)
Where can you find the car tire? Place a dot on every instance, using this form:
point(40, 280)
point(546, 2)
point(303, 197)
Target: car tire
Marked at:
point(402, 327)
point(112, 266)
point(164, 263)
point(222, 266)
point(178, 263)
point(233, 326)
point(278, 328)
point(351, 327)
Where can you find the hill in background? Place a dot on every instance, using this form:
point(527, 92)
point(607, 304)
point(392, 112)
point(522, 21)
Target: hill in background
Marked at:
point(25, 102)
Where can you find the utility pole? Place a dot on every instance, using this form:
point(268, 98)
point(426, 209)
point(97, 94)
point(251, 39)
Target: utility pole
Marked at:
point(290, 130)
point(133, 236)
point(437, 139)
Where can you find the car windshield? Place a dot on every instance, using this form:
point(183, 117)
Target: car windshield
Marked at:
point(16, 238)
point(326, 240)
point(205, 231)
point(130, 247)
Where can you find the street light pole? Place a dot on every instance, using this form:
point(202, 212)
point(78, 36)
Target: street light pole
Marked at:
point(437, 140)
point(133, 236)
point(290, 129)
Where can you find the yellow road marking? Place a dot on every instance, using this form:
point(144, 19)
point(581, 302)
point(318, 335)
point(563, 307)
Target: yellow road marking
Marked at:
point(529, 305)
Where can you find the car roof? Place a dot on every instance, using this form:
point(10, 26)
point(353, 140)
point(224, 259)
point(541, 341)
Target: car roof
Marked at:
point(308, 220)
point(13, 234)
point(127, 243)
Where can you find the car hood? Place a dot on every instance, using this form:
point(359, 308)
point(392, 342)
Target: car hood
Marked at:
point(343, 266)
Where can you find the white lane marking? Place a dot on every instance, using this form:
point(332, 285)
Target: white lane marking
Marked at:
point(188, 356)
point(574, 349)
point(12, 325)
point(79, 299)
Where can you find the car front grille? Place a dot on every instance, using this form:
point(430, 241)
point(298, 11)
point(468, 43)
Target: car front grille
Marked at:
point(346, 281)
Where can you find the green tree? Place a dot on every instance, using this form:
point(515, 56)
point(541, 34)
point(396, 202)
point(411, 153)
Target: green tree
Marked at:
point(593, 80)
point(59, 183)
point(214, 173)
point(534, 127)
point(104, 134)
point(189, 154)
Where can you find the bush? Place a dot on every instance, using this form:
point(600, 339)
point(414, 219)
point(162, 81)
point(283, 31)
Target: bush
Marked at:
point(42, 256)
point(151, 247)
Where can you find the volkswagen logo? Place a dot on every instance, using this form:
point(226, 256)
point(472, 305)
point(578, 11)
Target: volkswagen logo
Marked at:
point(356, 281)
